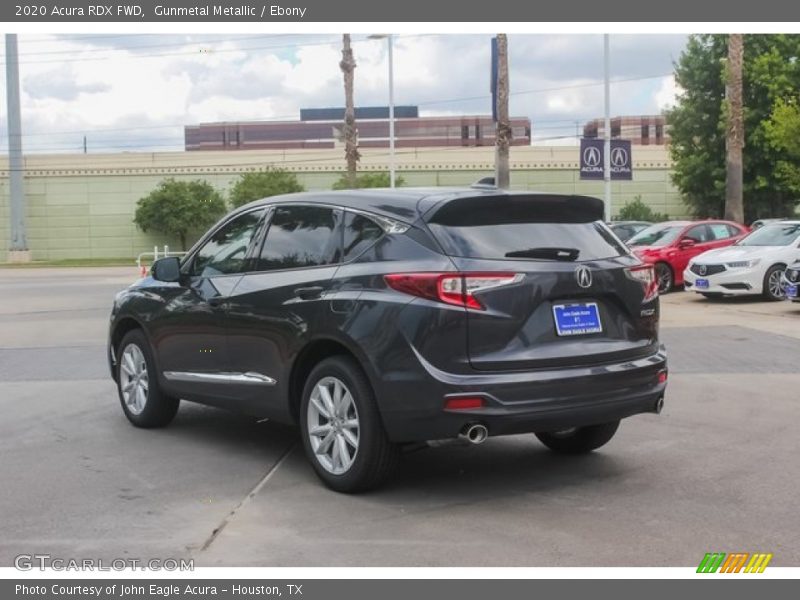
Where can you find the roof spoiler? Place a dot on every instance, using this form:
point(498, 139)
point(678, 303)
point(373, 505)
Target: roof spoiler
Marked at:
point(505, 208)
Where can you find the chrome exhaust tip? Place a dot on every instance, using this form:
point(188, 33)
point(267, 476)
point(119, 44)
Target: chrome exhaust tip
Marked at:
point(659, 405)
point(474, 434)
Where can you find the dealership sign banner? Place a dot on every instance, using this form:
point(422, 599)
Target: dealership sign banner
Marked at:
point(592, 159)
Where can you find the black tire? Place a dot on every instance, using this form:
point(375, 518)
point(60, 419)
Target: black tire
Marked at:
point(579, 440)
point(375, 458)
point(767, 292)
point(665, 278)
point(159, 409)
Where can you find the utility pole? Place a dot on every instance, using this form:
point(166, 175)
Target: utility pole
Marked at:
point(734, 203)
point(607, 144)
point(18, 249)
point(348, 65)
point(503, 128)
point(84, 145)
point(390, 46)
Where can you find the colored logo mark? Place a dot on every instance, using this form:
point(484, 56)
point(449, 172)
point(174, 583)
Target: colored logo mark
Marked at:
point(737, 562)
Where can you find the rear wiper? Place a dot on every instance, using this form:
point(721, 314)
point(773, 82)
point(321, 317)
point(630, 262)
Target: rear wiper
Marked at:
point(565, 254)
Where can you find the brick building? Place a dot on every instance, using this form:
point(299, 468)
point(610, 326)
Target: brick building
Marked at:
point(644, 130)
point(321, 128)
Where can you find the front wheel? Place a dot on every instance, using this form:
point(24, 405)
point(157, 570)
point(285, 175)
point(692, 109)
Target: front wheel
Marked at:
point(141, 397)
point(342, 432)
point(579, 440)
point(773, 290)
point(665, 278)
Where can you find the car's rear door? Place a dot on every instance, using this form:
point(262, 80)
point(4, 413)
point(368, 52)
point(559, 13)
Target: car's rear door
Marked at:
point(576, 298)
point(275, 307)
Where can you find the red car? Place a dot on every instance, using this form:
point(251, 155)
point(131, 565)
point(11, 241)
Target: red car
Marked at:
point(669, 245)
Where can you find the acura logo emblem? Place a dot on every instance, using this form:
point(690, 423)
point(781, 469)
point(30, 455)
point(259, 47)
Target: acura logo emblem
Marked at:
point(702, 269)
point(619, 157)
point(591, 157)
point(583, 276)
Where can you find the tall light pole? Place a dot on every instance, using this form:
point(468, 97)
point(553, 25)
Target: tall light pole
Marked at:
point(607, 144)
point(18, 249)
point(390, 53)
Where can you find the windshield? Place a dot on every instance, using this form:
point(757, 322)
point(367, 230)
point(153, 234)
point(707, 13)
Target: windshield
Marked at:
point(656, 235)
point(772, 235)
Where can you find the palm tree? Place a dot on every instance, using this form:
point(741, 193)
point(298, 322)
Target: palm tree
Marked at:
point(348, 65)
point(734, 205)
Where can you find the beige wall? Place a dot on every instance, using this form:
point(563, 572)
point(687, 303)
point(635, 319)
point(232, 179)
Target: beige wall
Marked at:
point(81, 206)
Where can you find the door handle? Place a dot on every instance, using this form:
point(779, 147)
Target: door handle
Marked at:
point(217, 300)
point(309, 293)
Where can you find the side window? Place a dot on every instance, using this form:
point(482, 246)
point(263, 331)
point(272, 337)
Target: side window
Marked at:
point(732, 231)
point(719, 231)
point(359, 234)
point(301, 236)
point(226, 250)
point(697, 233)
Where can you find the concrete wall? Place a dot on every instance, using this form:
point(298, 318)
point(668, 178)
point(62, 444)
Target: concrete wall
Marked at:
point(82, 206)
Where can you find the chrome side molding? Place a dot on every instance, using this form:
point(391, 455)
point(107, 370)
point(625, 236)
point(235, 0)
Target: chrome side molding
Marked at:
point(249, 378)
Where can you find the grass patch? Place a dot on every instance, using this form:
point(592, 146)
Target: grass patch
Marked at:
point(73, 262)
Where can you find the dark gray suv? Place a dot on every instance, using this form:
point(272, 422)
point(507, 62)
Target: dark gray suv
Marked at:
point(375, 319)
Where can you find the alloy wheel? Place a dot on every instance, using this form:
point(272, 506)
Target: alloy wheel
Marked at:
point(134, 380)
point(664, 276)
point(774, 284)
point(333, 425)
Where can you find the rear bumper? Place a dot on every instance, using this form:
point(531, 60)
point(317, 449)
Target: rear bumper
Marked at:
point(528, 402)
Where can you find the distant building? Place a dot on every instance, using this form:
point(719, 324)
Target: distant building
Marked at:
point(647, 130)
point(322, 128)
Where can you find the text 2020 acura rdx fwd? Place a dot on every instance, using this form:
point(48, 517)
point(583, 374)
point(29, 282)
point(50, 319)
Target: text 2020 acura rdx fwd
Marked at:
point(379, 318)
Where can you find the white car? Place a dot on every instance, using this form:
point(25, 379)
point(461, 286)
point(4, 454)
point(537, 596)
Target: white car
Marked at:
point(753, 265)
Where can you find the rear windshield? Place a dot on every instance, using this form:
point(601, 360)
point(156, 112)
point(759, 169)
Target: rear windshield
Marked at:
point(530, 241)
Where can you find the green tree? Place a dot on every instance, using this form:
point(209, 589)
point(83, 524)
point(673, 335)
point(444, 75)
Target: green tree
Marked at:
point(637, 210)
point(783, 131)
point(368, 180)
point(262, 184)
point(698, 120)
point(179, 208)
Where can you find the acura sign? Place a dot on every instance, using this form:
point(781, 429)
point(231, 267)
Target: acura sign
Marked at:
point(592, 159)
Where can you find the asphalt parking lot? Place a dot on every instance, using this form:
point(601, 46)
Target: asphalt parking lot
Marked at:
point(718, 470)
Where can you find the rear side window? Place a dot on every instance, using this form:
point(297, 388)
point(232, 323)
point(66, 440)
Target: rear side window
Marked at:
point(720, 231)
point(538, 229)
point(300, 236)
point(359, 234)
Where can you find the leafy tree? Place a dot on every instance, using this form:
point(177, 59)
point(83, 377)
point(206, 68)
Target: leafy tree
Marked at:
point(262, 184)
point(636, 210)
point(368, 180)
point(179, 208)
point(783, 131)
point(697, 123)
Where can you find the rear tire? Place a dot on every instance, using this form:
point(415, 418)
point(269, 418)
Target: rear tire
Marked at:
point(665, 278)
point(341, 428)
point(579, 440)
point(772, 283)
point(140, 395)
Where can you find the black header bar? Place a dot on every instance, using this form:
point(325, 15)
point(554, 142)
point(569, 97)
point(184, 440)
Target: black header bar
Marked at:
point(318, 11)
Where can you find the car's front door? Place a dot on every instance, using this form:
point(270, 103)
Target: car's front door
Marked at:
point(700, 238)
point(189, 335)
point(275, 308)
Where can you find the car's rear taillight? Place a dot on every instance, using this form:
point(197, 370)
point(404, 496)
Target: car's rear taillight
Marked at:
point(458, 289)
point(646, 275)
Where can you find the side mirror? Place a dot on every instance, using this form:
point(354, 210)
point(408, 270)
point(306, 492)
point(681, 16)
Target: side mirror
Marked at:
point(686, 243)
point(166, 269)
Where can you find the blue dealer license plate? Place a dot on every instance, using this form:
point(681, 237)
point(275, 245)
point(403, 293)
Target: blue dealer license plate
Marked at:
point(791, 291)
point(577, 319)
point(701, 284)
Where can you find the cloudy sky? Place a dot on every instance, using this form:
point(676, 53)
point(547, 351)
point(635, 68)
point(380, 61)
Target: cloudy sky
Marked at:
point(135, 92)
